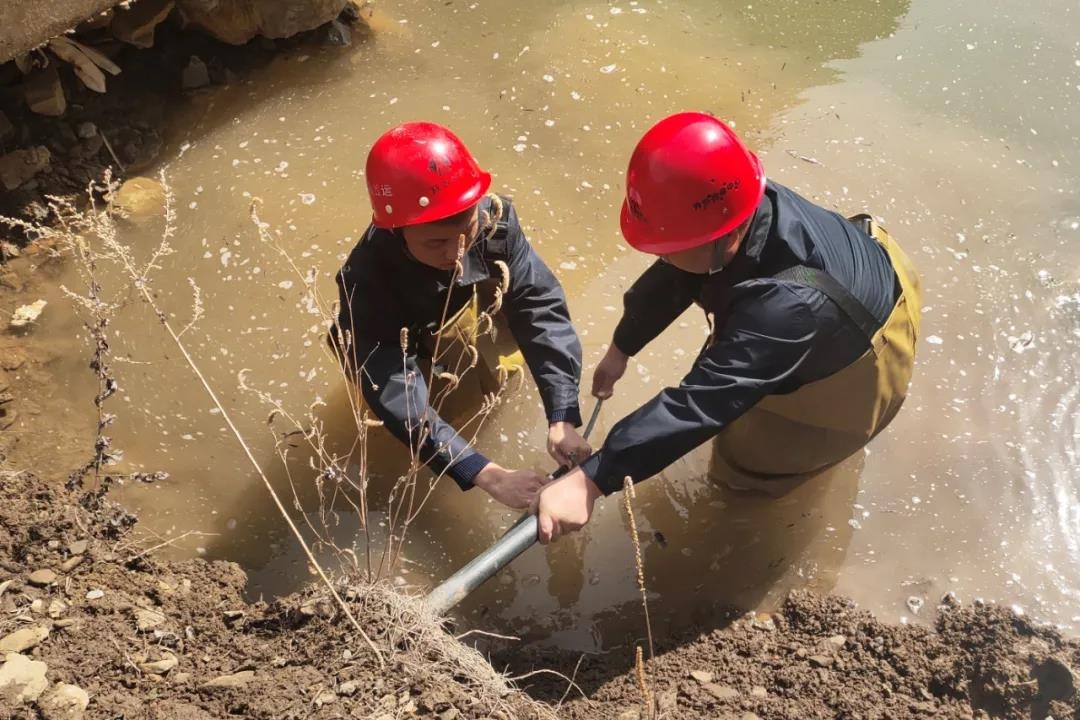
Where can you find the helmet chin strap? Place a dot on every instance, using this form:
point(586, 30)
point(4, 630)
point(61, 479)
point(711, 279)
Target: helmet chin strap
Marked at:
point(718, 251)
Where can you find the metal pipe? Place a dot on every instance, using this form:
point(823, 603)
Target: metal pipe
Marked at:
point(520, 537)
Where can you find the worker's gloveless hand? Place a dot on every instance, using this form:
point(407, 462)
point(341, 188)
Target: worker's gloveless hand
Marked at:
point(610, 368)
point(515, 489)
point(565, 446)
point(565, 505)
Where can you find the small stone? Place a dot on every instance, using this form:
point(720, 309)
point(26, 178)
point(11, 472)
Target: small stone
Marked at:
point(23, 639)
point(147, 620)
point(22, 680)
point(337, 33)
point(800, 653)
point(86, 130)
point(135, 24)
point(18, 167)
point(915, 604)
point(78, 547)
point(701, 676)
point(233, 615)
point(758, 692)
point(348, 688)
point(56, 608)
point(749, 716)
point(722, 692)
point(196, 75)
point(64, 702)
point(95, 594)
point(763, 621)
point(630, 715)
point(160, 667)
point(228, 682)
point(140, 198)
point(64, 623)
point(43, 92)
point(42, 578)
point(325, 698)
point(821, 661)
point(453, 714)
point(837, 641)
point(178, 678)
point(950, 600)
point(71, 563)
point(26, 314)
point(38, 606)
point(279, 662)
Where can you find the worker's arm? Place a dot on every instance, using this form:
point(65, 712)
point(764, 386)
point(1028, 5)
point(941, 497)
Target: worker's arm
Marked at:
point(535, 308)
point(766, 338)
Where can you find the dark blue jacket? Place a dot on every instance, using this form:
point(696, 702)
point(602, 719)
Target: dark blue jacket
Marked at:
point(383, 289)
point(770, 336)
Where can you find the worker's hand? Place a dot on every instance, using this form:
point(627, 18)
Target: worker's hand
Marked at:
point(565, 446)
point(608, 371)
point(515, 489)
point(565, 505)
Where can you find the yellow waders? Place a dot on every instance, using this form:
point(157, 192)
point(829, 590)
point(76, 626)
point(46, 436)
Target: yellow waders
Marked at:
point(498, 357)
point(824, 422)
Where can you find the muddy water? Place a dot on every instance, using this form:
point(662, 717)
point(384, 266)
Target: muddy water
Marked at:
point(954, 124)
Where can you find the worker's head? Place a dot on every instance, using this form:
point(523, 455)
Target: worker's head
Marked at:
point(423, 181)
point(691, 189)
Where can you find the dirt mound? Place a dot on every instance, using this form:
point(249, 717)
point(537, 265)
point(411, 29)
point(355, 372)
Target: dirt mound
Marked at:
point(147, 639)
point(822, 658)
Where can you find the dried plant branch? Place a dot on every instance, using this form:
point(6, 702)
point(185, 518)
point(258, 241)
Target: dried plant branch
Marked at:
point(639, 563)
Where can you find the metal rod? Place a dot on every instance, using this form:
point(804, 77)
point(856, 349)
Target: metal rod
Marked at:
point(520, 537)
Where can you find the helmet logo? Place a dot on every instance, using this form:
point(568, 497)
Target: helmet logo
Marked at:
point(382, 191)
point(717, 195)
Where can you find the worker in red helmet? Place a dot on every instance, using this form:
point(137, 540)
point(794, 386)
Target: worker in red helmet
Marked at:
point(442, 264)
point(813, 316)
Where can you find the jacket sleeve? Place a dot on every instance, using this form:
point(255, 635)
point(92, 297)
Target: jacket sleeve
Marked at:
point(535, 308)
point(767, 337)
point(654, 301)
point(392, 383)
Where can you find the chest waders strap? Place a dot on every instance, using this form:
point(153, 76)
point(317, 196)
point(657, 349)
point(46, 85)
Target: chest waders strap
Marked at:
point(831, 288)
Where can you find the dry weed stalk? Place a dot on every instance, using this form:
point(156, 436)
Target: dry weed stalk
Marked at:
point(639, 563)
point(647, 698)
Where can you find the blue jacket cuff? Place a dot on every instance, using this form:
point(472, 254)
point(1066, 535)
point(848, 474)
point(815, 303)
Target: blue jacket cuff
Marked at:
point(570, 414)
point(465, 470)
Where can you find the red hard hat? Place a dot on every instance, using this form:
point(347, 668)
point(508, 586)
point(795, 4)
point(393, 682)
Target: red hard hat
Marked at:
point(420, 172)
point(690, 181)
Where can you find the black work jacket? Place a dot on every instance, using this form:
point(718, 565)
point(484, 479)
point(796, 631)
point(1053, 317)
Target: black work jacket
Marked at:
point(769, 336)
point(383, 289)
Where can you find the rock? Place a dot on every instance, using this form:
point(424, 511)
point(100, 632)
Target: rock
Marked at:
point(950, 600)
point(630, 715)
point(71, 563)
point(453, 714)
point(7, 130)
point(95, 594)
point(230, 682)
point(136, 24)
point(86, 130)
point(23, 639)
point(64, 702)
point(800, 654)
point(701, 676)
point(26, 314)
point(763, 621)
point(238, 21)
point(195, 74)
point(56, 609)
point(146, 620)
point(140, 198)
point(180, 677)
point(66, 622)
point(337, 33)
point(279, 662)
point(915, 604)
point(348, 688)
point(837, 641)
point(22, 680)
point(326, 697)
point(758, 692)
point(721, 692)
point(822, 661)
point(749, 716)
point(43, 92)
point(1055, 678)
point(78, 547)
point(16, 168)
point(38, 606)
point(160, 667)
point(42, 578)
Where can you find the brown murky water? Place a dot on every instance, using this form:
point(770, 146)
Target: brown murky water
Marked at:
point(954, 123)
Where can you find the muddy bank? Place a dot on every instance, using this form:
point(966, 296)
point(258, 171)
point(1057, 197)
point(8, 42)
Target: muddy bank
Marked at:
point(820, 657)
